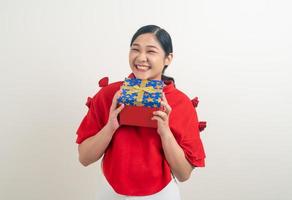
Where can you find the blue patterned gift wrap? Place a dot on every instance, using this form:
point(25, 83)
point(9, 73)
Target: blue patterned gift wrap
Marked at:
point(140, 92)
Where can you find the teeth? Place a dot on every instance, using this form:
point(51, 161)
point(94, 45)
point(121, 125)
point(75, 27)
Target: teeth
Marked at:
point(142, 67)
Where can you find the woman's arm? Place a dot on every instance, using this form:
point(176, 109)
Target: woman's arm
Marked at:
point(92, 149)
point(175, 157)
point(174, 154)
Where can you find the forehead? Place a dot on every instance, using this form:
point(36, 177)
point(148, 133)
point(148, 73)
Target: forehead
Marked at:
point(147, 39)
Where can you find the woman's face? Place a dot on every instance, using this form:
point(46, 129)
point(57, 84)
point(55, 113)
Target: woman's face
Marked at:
point(147, 58)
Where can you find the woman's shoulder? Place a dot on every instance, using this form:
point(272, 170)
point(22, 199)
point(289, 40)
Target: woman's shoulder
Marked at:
point(110, 88)
point(178, 95)
point(107, 90)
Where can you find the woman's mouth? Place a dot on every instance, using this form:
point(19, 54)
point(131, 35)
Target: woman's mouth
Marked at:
point(142, 68)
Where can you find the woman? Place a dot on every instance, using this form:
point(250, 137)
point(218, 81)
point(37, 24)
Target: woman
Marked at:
point(139, 162)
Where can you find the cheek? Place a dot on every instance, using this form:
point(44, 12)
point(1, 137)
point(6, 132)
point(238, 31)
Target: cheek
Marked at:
point(158, 61)
point(132, 56)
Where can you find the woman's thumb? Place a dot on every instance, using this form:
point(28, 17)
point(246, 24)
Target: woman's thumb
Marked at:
point(120, 108)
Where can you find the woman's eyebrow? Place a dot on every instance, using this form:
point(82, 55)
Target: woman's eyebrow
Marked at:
point(135, 44)
point(152, 46)
point(149, 46)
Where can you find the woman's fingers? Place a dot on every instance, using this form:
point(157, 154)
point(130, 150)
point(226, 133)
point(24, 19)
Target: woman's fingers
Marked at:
point(160, 114)
point(115, 109)
point(119, 109)
point(166, 107)
point(158, 119)
point(164, 98)
point(115, 100)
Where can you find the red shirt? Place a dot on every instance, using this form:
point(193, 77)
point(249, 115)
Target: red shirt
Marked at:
point(134, 163)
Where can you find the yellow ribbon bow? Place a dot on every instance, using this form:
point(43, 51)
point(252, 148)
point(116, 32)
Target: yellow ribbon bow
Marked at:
point(140, 90)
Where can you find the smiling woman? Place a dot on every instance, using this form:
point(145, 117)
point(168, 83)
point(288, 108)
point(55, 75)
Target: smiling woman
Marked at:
point(142, 162)
point(150, 53)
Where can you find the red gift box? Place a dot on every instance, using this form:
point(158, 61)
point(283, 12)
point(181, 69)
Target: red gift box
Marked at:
point(141, 98)
point(138, 116)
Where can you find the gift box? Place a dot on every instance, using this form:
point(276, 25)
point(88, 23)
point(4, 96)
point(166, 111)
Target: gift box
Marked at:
point(141, 98)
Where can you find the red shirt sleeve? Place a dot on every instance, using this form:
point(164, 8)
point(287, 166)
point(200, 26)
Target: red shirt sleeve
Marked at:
point(93, 121)
point(184, 125)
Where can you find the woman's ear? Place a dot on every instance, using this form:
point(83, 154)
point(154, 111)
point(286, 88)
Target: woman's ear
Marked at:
point(168, 59)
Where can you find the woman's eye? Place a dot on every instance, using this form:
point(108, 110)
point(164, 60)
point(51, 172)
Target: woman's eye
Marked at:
point(152, 51)
point(135, 49)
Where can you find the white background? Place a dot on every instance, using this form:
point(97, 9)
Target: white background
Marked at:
point(234, 55)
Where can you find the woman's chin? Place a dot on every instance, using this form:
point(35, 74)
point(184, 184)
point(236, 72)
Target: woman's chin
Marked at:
point(140, 75)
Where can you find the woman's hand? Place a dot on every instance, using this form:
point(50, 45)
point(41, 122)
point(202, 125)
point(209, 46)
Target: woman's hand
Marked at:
point(113, 122)
point(162, 117)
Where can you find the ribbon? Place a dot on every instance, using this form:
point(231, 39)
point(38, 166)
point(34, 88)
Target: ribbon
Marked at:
point(140, 90)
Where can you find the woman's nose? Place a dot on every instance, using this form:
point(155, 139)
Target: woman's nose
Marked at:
point(142, 57)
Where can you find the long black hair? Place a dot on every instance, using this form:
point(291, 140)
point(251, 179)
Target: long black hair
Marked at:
point(163, 38)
